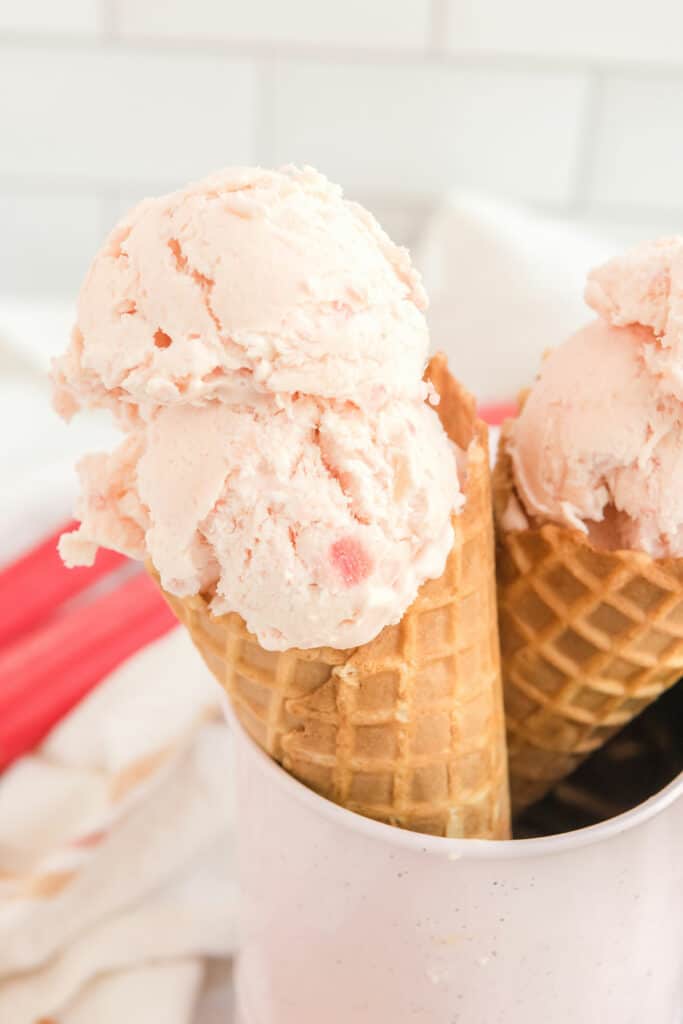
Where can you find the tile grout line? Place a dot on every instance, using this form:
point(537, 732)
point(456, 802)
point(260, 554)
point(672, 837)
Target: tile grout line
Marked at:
point(417, 203)
point(439, 19)
point(264, 113)
point(108, 198)
point(587, 146)
point(108, 22)
point(346, 54)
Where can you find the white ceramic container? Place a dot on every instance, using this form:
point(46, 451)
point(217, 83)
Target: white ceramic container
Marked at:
point(348, 921)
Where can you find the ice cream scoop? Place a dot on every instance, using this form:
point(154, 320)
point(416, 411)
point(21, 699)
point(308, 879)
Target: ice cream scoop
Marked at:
point(315, 521)
point(262, 342)
point(598, 445)
point(249, 280)
point(645, 286)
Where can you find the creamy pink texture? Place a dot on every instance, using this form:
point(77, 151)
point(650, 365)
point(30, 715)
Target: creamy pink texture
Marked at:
point(248, 280)
point(263, 343)
point(599, 443)
point(317, 522)
point(109, 507)
point(645, 286)
point(280, 494)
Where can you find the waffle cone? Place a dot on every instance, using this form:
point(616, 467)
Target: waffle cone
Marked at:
point(588, 639)
point(407, 729)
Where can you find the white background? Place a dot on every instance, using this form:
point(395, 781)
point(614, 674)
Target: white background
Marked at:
point(571, 108)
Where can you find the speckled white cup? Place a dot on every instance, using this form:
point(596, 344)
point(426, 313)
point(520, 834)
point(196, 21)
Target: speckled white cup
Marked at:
point(348, 921)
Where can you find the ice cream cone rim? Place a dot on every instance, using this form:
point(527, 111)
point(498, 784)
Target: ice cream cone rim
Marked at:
point(563, 533)
point(577, 538)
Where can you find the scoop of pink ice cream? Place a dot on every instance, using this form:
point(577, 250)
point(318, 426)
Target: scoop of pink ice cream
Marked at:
point(109, 507)
point(598, 445)
point(251, 280)
point(645, 286)
point(314, 520)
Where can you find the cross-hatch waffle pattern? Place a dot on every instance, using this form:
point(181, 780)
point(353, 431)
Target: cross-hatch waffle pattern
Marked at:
point(407, 729)
point(589, 638)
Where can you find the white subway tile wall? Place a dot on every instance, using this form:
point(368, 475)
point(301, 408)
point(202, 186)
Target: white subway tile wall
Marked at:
point(110, 117)
point(639, 145)
point(421, 128)
point(48, 240)
point(80, 17)
point(583, 30)
point(570, 108)
point(366, 24)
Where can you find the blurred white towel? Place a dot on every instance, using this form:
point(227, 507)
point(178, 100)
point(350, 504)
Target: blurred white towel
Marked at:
point(116, 874)
point(116, 850)
point(504, 285)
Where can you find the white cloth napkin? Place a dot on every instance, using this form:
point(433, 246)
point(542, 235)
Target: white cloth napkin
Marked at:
point(116, 849)
point(504, 285)
point(116, 837)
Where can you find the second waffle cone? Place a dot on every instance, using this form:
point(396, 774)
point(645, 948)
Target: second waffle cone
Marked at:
point(407, 729)
point(589, 638)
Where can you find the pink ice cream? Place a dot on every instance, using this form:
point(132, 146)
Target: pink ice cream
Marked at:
point(279, 449)
point(252, 279)
point(598, 445)
point(645, 286)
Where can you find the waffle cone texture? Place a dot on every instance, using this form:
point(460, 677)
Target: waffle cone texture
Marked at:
point(407, 729)
point(588, 639)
